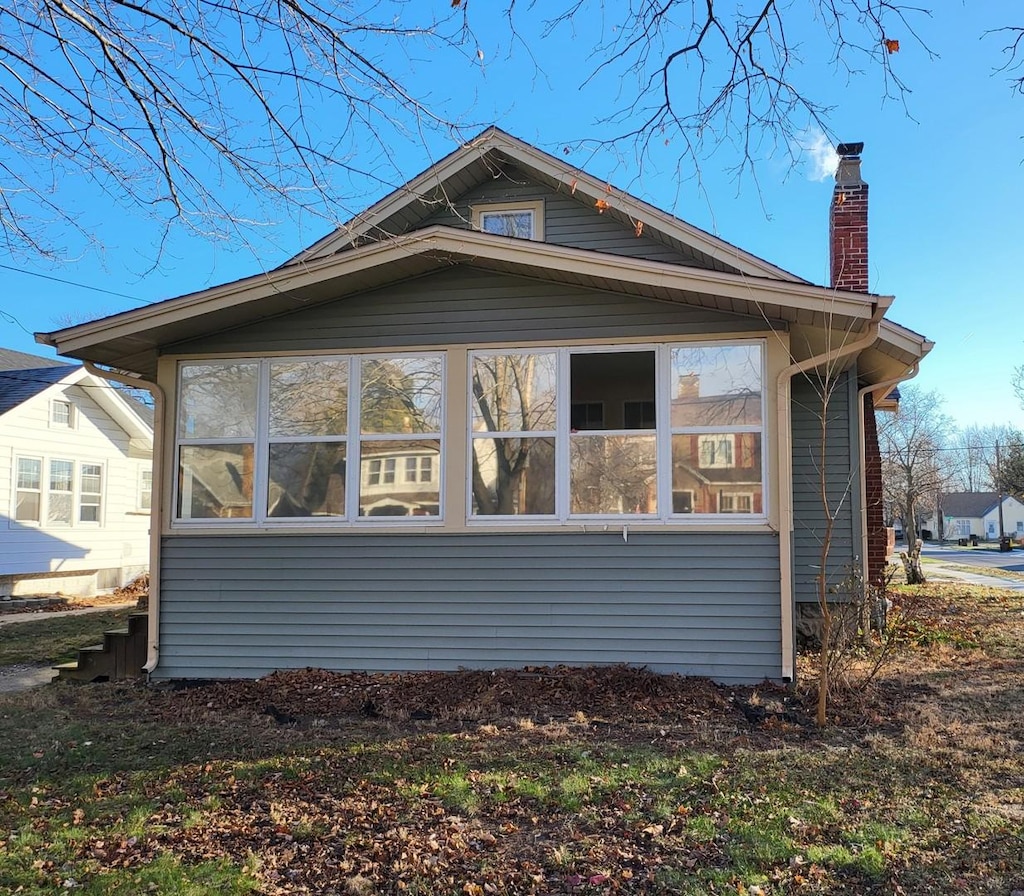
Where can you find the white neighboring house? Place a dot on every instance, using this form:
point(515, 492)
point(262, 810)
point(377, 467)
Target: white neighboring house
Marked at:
point(977, 513)
point(75, 479)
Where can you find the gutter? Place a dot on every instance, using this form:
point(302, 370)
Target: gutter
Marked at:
point(156, 508)
point(882, 387)
point(784, 387)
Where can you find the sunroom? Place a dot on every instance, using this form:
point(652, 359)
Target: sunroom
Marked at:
point(644, 433)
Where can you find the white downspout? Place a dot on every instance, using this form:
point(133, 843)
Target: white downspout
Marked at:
point(883, 386)
point(784, 425)
point(156, 507)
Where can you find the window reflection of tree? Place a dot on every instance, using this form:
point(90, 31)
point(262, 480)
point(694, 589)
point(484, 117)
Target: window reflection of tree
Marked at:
point(613, 474)
point(513, 393)
point(400, 395)
point(218, 401)
point(308, 399)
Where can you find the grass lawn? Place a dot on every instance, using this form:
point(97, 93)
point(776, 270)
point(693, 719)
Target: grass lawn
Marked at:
point(557, 782)
point(42, 638)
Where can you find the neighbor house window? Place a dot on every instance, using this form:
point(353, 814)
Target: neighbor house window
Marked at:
point(327, 439)
point(145, 489)
point(62, 414)
point(652, 432)
point(400, 405)
point(61, 494)
point(47, 491)
point(90, 496)
point(29, 493)
point(523, 220)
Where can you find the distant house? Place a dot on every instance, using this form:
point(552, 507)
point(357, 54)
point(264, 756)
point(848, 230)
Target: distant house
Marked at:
point(512, 416)
point(75, 479)
point(977, 513)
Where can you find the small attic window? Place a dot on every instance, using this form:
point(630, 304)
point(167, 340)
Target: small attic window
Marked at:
point(62, 414)
point(522, 220)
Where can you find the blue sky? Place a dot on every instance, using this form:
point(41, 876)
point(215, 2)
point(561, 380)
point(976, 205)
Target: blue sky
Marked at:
point(946, 178)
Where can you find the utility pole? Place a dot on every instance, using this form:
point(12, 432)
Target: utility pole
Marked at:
point(999, 495)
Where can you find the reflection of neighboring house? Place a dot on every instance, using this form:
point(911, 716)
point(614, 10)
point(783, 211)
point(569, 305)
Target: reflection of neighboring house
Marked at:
point(221, 486)
point(716, 472)
point(562, 426)
point(977, 513)
point(402, 482)
point(76, 478)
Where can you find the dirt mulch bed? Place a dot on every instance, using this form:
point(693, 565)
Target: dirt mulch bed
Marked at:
point(610, 695)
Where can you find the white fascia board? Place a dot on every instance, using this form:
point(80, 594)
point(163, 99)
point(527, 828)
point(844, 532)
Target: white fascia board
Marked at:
point(585, 185)
point(473, 246)
point(904, 339)
point(120, 411)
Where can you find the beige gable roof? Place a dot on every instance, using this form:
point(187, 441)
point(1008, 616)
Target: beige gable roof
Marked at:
point(479, 160)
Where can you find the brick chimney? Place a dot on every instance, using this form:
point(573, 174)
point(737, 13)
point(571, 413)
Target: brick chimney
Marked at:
point(848, 256)
point(848, 223)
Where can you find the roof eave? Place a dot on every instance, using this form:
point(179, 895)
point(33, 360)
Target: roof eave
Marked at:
point(436, 245)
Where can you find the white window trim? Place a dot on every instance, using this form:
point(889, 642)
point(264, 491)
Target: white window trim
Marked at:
point(41, 491)
point(663, 434)
point(44, 493)
point(80, 494)
point(139, 505)
point(497, 208)
point(353, 439)
point(72, 413)
point(719, 438)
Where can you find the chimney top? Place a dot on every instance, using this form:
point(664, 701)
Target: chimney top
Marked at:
point(848, 173)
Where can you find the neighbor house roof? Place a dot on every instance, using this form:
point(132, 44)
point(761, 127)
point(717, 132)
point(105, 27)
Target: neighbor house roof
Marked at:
point(12, 360)
point(969, 504)
point(18, 386)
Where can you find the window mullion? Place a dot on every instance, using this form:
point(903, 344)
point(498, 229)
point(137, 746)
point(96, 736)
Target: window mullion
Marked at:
point(663, 422)
point(261, 444)
point(562, 415)
point(353, 453)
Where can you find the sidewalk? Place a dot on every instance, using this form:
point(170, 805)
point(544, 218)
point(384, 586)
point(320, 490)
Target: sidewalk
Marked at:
point(940, 569)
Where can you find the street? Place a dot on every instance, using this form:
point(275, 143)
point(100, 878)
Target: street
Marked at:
point(1011, 562)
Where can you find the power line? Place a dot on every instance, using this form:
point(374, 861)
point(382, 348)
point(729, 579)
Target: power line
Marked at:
point(108, 292)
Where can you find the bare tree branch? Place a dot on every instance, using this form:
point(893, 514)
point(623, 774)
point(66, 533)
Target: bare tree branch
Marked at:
point(139, 98)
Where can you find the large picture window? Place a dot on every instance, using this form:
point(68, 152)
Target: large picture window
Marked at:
point(272, 439)
point(652, 432)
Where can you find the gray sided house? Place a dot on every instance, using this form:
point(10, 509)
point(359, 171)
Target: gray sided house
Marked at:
point(510, 416)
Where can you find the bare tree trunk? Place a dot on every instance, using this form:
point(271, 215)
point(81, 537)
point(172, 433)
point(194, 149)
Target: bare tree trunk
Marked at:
point(912, 563)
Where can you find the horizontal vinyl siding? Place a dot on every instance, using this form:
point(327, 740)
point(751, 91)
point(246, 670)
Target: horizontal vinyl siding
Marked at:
point(467, 305)
point(841, 462)
point(567, 221)
point(242, 606)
